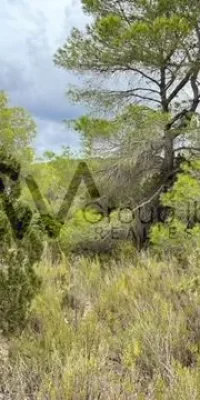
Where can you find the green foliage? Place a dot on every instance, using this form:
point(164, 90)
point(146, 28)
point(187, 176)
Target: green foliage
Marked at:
point(17, 130)
point(92, 127)
point(21, 243)
point(180, 234)
point(111, 42)
point(18, 286)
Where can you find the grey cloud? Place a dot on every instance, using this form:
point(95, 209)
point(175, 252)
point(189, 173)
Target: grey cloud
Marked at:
point(43, 96)
point(27, 70)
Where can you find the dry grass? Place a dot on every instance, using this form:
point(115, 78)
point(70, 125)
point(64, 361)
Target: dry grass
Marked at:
point(130, 331)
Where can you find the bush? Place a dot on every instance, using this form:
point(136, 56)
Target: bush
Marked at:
point(18, 285)
point(21, 242)
point(180, 234)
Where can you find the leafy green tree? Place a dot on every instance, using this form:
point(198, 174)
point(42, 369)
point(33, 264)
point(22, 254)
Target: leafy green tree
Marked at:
point(17, 130)
point(21, 242)
point(140, 63)
point(21, 239)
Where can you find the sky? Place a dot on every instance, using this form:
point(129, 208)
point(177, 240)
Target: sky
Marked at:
point(31, 32)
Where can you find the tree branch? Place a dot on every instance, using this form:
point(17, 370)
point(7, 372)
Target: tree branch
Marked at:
point(144, 75)
point(180, 86)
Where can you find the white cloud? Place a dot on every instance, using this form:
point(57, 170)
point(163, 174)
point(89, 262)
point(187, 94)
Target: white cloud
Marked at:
point(55, 135)
point(31, 32)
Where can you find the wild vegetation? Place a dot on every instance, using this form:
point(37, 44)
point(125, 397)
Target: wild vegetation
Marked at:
point(99, 288)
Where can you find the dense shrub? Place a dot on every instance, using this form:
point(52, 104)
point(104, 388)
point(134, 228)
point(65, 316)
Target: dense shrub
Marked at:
point(21, 247)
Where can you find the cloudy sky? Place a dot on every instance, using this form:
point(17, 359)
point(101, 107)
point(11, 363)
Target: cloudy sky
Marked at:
point(31, 32)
